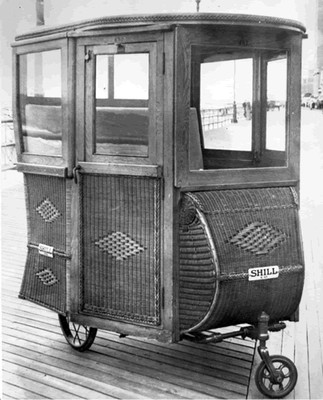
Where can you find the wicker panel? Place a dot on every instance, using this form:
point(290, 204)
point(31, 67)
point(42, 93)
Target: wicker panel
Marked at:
point(253, 228)
point(120, 247)
point(46, 210)
point(44, 281)
point(197, 275)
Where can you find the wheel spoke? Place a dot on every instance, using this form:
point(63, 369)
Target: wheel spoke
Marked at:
point(287, 373)
point(80, 337)
point(76, 336)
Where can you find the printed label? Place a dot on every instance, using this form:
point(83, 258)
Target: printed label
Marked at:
point(45, 250)
point(257, 274)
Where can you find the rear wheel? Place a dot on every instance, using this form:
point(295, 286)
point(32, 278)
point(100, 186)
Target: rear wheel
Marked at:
point(79, 337)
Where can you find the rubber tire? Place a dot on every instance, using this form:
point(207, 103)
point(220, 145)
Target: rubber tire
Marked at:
point(79, 337)
point(262, 374)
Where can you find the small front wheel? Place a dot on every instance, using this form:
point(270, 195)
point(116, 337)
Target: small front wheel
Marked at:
point(79, 337)
point(280, 385)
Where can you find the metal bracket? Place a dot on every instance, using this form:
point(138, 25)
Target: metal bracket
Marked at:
point(88, 55)
point(76, 173)
point(263, 336)
point(253, 332)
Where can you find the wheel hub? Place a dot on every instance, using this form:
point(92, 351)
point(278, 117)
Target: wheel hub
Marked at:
point(278, 377)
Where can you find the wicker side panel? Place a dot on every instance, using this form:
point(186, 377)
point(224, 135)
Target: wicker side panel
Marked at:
point(46, 210)
point(197, 275)
point(121, 248)
point(44, 281)
point(254, 228)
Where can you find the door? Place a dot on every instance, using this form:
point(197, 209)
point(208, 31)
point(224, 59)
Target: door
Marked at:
point(44, 134)
point(119, 184)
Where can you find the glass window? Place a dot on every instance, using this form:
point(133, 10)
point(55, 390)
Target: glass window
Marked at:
point(122, 97)
point(238, 104)
point(102, 77)
point(276, 103)
point(40, 93)
point(132, 78)
point(226, 98)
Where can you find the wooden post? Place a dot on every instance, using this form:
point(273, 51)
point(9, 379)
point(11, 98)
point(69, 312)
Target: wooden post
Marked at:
point(40, 12)
point(39, 91)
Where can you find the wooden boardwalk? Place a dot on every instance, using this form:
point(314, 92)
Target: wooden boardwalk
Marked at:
point(38, 363)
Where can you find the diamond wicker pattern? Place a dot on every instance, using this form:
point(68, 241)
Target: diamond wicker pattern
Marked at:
point(258, 238)
point(45, 281)
point(47, 277)
point(48, 211)
point(249, 228)
point(119, 245)
point(48, 203)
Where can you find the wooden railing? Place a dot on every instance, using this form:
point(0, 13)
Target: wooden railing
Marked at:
point(8, 153)
point(213, 118)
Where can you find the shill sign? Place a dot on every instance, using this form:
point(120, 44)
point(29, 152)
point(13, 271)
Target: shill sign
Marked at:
point(256, 274)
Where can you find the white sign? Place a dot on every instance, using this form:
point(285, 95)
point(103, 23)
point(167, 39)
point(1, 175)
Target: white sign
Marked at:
point(257, 274)
point(45, 250)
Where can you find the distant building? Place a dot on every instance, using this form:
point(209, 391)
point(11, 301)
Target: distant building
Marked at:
point(319, 46)
point(313, 78)
point(308, 82)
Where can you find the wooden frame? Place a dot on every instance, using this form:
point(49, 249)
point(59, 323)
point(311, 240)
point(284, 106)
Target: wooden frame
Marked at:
point(67, 100)
point(85, 73)
point(140, 48)
point(190, 180)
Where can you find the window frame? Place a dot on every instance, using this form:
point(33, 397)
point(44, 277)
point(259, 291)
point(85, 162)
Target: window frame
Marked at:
point(110, 47)
point(238, 177)
point(63, 162)
point(258, 154)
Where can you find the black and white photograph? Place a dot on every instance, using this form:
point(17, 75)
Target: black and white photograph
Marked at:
point(161, 199)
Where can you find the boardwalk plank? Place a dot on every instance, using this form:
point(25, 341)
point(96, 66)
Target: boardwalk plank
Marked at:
point(78, 383)
point(71, 372)
point(126, 359)
point(56, 377)
point(301, 355)
point(18, 392)
point(106, 367)
point(24, 378)
point(154, 350)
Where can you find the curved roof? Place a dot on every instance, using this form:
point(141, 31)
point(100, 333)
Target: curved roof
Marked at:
point(182, 19)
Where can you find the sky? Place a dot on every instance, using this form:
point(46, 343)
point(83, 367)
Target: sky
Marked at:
point(18, 16)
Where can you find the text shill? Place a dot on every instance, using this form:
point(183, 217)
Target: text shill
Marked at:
point(256, 274)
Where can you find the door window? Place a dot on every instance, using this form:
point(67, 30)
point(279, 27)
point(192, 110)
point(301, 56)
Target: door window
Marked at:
point(40, 99)
point(124, 98)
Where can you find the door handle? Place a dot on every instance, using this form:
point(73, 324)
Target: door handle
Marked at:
point(76, 173)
